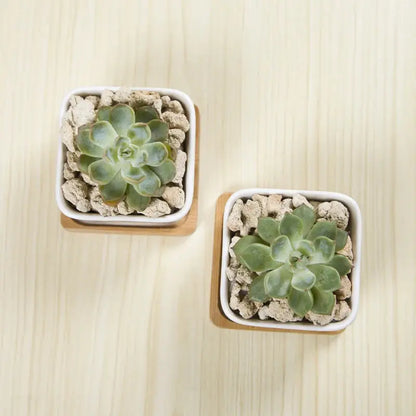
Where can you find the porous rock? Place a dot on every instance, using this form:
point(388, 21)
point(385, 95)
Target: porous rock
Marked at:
point(68, 172)
point(180, 164)
point(342, 310)
point(279, 310)
point(173, 105)
point(284, 207)
point(245, 307)
point(67, 135)
point(299, 200)
point(233, 242)
point(76, 192)
point(106, 98)
point(84, 205)
point(176, 121)
point(99, 205)
point(75, 100)
point(140, 98)
point(122, 95)
point(235, 289)
point(262, 200)
point(234, 262)
point(72, 160)
point(157, 208)
point(83, 112)
point(244, 216)
point(157, 104)
point(165, 100)
point(176, 138)
point(93, 99)
point(251, 213)
point(234, 221)
point(344, 292)
point(87, 179)
point(174, 196)
point(244, 276)
point(124, 209)
point(230, 272)
point(68, 116)
point(273, 204)
point(334, 211)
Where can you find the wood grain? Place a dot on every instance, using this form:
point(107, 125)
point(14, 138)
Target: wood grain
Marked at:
point(293, 94)
point(185, 226)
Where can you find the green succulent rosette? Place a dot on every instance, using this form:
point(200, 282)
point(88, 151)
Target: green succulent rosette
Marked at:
point(125, 153)
point(295, 259)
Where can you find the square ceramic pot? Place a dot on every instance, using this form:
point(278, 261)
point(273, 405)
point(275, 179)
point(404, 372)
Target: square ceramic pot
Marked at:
point(355, 229)
point(134, 219)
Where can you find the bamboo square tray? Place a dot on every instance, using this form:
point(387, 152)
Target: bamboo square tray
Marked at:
point(216, 314)
point(184, 227)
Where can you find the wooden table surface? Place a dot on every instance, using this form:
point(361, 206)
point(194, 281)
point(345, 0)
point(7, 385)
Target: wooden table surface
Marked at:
point(293, 94)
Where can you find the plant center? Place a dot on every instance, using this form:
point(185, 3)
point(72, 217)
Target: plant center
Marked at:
point(126, 152)
point(297, 259)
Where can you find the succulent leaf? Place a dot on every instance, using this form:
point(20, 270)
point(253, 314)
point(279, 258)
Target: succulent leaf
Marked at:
point(135, 200)
point(340, 239)
point(103, 134)
point(324, 250)
point(159, 130)
point(306, 248)
point(149, 185)
point(292, 226)
point(277, 282)
point(307, 215)
point(114, 191)
point(103, 113)
point(243, 243)
point(156, 153)
point(323, 229)
point(323, 301)
point(281, 248)
point(86, 146)
point(258, 258)
point(85, 161)
point(139, 133)
point(166, 171)
point(132, 174)
point(127, 158)
point(257, 289)
point(327, 278)
point(146, 113)
point(101, 171)
point(300, 301)
point(121, 118)
point(341, 264)
point(268, 229)
point(303, 279)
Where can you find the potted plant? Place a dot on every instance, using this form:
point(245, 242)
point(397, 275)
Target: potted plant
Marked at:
point(126, 156)
point(290, 260)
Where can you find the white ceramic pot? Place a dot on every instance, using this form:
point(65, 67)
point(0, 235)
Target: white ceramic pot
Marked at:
point(132, 220)
point(355, 229)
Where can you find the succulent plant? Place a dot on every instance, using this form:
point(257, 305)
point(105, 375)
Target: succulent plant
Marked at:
point(295, 259)
point(126, 154)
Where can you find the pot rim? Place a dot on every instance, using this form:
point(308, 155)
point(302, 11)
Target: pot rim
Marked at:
point(133, 219)
point(356, 237)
